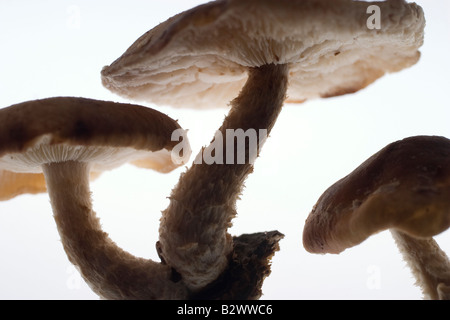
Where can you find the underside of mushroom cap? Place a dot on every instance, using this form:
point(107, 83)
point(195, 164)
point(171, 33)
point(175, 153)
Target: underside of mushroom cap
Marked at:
point(106, 134)
point(13, 184)
point(199, 58)
point(405, 186)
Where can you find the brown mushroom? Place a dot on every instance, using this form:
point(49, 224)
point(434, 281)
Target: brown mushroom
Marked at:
point(260, 51)
point(66, 138)
point(13, 184)
point(405, 187)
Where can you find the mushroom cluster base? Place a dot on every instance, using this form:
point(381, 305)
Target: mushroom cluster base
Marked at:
point(114, 274)
point(111, 272)
point(248, 267)
point(193, 230)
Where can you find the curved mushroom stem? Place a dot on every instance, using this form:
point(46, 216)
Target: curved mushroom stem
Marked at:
point(429, 264)
point(193, 230)
point(110, 271)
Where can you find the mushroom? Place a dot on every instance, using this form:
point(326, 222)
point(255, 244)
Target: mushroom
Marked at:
point(66, 138)
point(405, 187)
point(14, 184)
point(260, 51)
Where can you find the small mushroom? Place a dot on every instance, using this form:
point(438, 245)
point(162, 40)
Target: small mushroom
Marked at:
point(260, 51)
point(405, 187)
point(66, 138)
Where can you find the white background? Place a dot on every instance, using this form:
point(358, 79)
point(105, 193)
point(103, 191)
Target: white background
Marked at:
point(57, 48)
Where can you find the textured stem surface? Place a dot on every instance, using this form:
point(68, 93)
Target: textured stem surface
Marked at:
point(193, 230)
point(110, 271)
point(428, 263)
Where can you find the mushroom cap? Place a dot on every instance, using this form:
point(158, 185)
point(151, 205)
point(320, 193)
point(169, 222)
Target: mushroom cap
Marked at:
point(405, 186)
point(13, 184)
point(200, 57)
point(106, 134)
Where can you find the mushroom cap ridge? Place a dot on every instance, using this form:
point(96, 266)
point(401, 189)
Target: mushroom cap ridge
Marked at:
point(199, 58)
point(405, 186)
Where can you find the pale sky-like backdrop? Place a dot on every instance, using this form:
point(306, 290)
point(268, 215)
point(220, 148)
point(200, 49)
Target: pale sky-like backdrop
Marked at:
point(57, 48)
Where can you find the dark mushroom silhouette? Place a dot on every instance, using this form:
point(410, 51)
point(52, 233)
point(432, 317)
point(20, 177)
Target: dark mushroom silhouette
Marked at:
point(405, 187)
point(66, 138)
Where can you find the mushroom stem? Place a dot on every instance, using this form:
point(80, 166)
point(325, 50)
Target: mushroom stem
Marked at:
point(110, 271)
point(428, 263)
point(193, 230)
